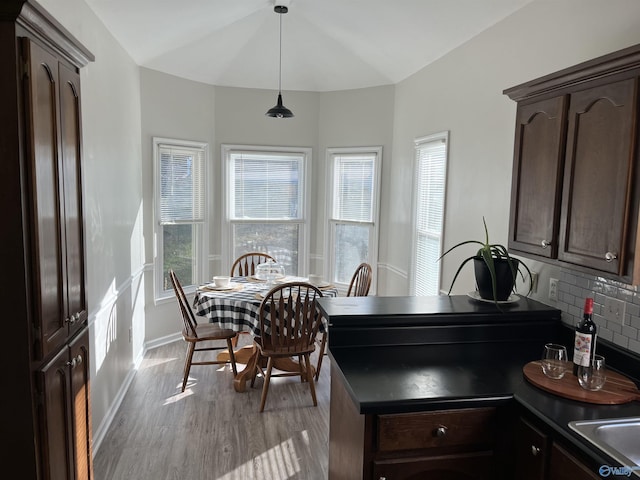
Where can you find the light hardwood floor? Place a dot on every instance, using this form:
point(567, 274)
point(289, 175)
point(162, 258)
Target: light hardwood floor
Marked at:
point(212, 432)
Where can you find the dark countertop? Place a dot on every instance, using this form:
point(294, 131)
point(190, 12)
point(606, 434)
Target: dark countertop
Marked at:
point(402, 379)
point(430, 377)
point(411, 354)
point(556, 412)
point(453, 309)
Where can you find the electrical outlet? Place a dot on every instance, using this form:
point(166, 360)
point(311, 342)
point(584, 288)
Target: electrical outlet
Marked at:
point(553, 289)
point(614, 310)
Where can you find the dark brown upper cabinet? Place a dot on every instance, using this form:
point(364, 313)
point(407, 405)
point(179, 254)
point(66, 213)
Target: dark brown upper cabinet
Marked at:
point(575, 185)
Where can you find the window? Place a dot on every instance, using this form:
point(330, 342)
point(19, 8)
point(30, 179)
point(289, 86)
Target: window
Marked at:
point(431, 179)
point(266, 204)
point(353, 220)
point(180, 212)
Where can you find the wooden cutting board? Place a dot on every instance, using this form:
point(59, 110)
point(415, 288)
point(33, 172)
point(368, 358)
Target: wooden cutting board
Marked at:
point(617, 389)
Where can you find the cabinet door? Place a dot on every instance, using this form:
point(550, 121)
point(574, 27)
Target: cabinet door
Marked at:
point(564, 466)
point(56, 419)
point(597, 191)
point(81, 406)
point(76, 309)
point(65, 413)
point(537, 177)
point(532, 447)
point(47, 287)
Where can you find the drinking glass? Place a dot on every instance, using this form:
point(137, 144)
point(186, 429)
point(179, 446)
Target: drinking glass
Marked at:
point(554, 361)
point(592, 377)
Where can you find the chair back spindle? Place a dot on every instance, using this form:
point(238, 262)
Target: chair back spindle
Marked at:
point(188, 318)
point(245, 265)
point(361, 281)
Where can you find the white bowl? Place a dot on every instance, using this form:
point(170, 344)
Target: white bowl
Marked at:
point(315, 279)
point(221, 281)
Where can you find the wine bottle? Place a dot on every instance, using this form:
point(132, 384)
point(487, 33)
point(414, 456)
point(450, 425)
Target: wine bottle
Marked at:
point(585, 338)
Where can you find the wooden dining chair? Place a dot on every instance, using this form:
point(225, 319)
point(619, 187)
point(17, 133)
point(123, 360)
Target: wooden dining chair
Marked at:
point(289, 323)
point(359, 287)
point(195, 334)
point(245, 265)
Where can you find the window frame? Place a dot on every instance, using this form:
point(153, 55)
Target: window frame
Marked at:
point(304, 222)
point(201, 240)
point(442, 136)
point(332, 223)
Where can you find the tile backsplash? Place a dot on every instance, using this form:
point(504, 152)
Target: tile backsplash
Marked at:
point(574, 287)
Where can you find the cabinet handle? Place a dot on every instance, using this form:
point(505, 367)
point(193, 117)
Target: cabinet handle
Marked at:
point(610, 256)
point(67, 320)
point(545, 244)
point(72, 319)
point(535, 450)
point(441, 431)
point(75, 361)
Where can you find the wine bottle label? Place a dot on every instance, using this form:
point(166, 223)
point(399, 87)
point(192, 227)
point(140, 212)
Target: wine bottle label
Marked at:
point(582, 349)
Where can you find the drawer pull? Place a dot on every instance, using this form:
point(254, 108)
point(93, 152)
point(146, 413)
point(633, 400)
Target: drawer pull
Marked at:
point(610, 256)
point(545, 243)
point(441, 431)
point(535, 450)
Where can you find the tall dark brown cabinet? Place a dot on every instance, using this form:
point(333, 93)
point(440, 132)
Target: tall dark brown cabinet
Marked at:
point(46, 414)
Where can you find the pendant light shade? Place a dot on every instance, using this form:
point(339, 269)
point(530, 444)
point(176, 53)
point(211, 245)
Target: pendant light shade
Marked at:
point(280, 111)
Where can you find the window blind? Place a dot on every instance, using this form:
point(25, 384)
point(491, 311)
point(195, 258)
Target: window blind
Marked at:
point(431, 158)
point(182, 184)
point(354, 187)
point(266, 187)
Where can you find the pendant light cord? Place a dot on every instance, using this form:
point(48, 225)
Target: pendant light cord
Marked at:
point(280, 66)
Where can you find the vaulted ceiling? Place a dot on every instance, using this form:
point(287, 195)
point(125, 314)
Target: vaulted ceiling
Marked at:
point(326, 44)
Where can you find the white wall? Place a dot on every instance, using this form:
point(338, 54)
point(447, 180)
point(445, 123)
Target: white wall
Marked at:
point(171, 108)
point(354, 118)
point(113, 204)
point(462, 93)
point(240, 119)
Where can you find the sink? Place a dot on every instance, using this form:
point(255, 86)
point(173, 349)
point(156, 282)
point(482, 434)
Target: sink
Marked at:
point(618, 437)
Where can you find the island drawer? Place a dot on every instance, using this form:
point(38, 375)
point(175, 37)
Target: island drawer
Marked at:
point(443, 428)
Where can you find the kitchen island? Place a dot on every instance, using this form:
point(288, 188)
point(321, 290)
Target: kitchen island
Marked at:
point(432, 387)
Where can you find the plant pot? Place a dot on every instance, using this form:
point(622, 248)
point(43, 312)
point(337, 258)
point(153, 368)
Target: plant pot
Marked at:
point(505, 278)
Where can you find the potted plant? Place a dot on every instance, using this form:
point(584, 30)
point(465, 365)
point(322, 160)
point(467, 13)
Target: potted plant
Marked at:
point(495, 269)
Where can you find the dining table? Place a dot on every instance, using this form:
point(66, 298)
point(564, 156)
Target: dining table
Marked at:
point(237, 307)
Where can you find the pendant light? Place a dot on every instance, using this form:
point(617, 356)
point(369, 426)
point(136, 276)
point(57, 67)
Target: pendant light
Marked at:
point(280, 111)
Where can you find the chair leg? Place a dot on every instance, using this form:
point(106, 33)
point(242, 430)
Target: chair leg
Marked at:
point(187, 364)
point(323, 344)
point(232, 357)
point(303, 374)
point(265, 387)
point(234, 340)
point(312, 385)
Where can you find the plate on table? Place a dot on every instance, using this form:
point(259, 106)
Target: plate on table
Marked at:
point(476, 296)
point(254, 278)
point(289, 279)
point(322, 284)
point(215, 288)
